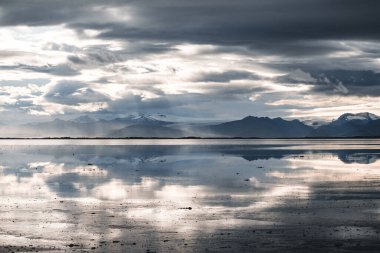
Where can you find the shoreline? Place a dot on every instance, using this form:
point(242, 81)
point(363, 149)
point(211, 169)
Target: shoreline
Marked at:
point(186, 138)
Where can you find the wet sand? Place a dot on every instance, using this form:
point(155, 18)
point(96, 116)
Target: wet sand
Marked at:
point(310, 197)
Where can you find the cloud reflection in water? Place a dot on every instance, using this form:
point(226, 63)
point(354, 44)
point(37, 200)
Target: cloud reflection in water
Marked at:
point(116, 193)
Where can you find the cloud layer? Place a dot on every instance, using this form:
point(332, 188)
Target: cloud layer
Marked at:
point(195, 60)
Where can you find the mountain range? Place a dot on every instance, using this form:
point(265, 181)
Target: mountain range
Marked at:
point(145, 126)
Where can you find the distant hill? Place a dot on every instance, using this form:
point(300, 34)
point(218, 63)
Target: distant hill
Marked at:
point(148, 131)
point(261, 127)
point(140, 119)
point(351, 125)
point(347, 125)
point(82, 126)
point(84, 119)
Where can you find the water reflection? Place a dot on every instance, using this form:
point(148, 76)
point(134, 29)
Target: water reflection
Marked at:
point(240, 197)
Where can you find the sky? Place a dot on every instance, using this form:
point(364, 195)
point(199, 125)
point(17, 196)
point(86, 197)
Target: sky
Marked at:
point(190, 60)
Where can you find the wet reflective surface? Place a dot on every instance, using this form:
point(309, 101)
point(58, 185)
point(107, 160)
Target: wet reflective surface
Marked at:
point(190, 195)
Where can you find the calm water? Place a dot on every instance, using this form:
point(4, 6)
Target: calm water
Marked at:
point(190, 195)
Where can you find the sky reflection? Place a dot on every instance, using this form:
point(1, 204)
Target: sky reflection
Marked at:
point(111, 192)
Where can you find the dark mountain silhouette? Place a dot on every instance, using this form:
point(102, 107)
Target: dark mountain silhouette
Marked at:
point(82, 126)
point(148, 131)
point(261, 127)
point(140, 119)
point(84, 119)
point(351, 125)
point(347, 125)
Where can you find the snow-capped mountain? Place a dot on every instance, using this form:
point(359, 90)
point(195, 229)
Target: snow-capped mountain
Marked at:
point(351, 125)
point(364, 116)
point(139, 119)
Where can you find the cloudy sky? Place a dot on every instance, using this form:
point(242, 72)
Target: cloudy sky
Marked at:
point(191, 60)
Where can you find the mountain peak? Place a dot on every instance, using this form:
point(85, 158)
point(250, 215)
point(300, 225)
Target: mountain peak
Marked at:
point(84, 119)
point(141, 117)
point(366, 116)
point(250, 117)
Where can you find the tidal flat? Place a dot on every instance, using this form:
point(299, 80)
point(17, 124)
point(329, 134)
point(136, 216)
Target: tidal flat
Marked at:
point(190, 195)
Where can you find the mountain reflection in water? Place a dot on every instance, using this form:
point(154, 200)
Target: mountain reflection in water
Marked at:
point(265, 196)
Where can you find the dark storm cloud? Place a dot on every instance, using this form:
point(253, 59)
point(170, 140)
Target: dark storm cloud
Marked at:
point(231, 92)
point(335, 42)
point(227, 76)
point(139, 48)
point(280, 27)
point(23, 106)
point(352, 78)
point(73, 93)
point(76, 60)
point(40, 12)
point(100, 55)
point(243, 22)
point(347, 82)
point(361, 83)
point(58, 70)
point(95, 57)
point(285, 27)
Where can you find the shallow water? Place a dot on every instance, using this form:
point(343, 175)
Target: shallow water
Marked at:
point(190, 195)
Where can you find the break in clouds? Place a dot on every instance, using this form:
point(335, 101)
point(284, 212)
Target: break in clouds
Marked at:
point(190, 60)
